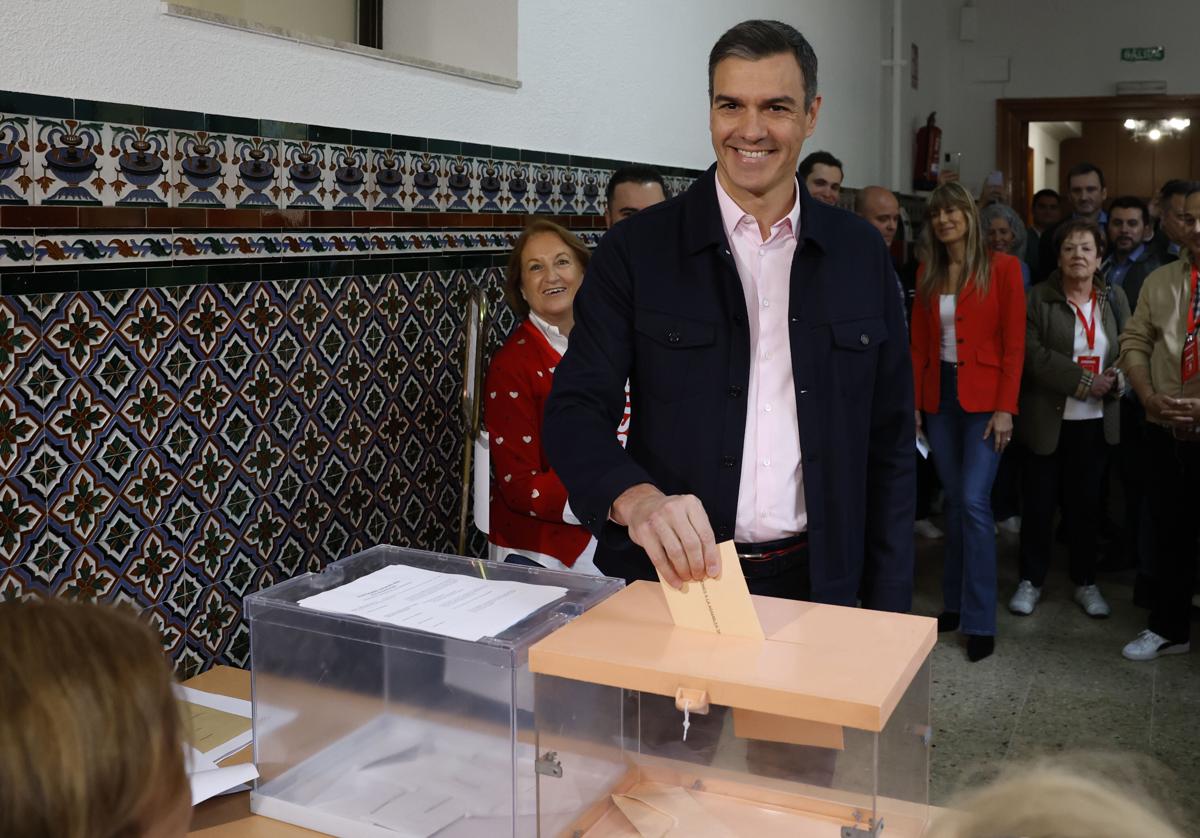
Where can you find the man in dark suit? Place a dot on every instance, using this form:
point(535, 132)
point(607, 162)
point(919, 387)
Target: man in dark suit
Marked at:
point(768, 361)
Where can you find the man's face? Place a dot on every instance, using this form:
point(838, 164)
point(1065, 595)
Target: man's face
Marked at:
point(1087, 195)
point(882, 210)
point(1045, 212)
point(759, 124)
point(1126, 229)
point(1172, 219)
point(824, 183)
point(629, 198)
point(1190, 221)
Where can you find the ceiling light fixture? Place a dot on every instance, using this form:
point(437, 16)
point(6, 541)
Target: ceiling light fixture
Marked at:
point(1155, 129)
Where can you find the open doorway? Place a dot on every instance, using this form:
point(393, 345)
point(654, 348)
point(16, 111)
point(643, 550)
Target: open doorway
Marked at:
point(1038, 140)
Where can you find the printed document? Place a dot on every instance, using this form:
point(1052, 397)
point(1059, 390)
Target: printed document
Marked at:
point(448, 604)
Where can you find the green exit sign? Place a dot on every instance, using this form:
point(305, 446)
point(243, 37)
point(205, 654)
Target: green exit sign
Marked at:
point(1143, 54)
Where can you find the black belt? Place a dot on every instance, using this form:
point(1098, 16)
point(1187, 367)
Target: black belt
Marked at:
point(770, 557)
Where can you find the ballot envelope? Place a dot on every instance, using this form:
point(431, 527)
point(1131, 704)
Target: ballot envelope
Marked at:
point(592, 715)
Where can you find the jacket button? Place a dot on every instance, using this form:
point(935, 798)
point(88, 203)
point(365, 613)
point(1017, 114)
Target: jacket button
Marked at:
point(962, 363)
point(729, 462)
point(723, 533)
point(734, 391)
point(960, 340)
point(672, 336)
point(863, 339)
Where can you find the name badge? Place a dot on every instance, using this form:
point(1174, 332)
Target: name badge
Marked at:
point(1091, 363)
point(1190, 364)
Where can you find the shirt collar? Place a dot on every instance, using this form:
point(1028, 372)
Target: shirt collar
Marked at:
point(553, 336)
point(732, 215)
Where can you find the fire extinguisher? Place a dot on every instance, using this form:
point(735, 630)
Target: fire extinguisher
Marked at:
point(928, 149)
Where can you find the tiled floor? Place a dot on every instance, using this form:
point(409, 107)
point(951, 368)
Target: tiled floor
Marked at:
point(1057, 684)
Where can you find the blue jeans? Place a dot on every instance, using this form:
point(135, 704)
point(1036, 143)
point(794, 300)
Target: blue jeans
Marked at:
point(966, 463)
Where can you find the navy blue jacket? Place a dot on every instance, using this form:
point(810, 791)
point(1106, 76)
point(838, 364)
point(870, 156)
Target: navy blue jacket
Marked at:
point(662, 305)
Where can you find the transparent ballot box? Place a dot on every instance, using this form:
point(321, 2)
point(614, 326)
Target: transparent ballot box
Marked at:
point(363, 727)
point(820, 729)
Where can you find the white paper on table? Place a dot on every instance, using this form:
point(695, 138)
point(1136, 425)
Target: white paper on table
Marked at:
point(448, 604)
point(215, 781)
point(226, 704)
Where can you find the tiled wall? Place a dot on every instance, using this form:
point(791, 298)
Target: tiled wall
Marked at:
point(211, 378)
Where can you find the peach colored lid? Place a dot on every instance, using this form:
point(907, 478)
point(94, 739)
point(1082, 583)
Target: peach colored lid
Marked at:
point(824, 663)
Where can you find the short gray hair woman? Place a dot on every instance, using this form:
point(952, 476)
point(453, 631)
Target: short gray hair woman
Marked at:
point(1005, 232)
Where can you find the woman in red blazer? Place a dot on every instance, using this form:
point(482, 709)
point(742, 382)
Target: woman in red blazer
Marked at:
point(530, 521)
point(968, 345)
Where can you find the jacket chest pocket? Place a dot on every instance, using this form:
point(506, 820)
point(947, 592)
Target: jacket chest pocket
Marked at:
point(855, 349)
point(674, 354)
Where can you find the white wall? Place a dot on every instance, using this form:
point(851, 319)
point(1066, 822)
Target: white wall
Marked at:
point(1045, 157)
point(1059, 48)
point(930, 25)
point(621, 78)
point(461, 33)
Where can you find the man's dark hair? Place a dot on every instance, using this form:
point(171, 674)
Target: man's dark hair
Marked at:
point(1177, 187)
point(1131, 202)
point(822, 157)
point(635, 173)
point(756, 39)
point(1085, 169)
point(1045, 193)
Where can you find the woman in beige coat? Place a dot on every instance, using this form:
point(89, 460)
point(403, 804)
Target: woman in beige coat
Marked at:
point(1070, 414)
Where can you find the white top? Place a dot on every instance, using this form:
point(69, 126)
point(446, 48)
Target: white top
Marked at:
point(1089, 408)
point(946, 306)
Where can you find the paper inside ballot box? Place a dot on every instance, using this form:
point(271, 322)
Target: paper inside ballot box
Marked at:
point(721, 605)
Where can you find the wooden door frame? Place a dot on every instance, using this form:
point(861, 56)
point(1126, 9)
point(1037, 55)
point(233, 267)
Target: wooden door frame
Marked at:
point(1014, 115)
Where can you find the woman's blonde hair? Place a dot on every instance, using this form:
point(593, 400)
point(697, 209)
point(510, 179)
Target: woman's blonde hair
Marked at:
point(512, 278)
point(1055, 799)
point(976, 271)
point(91, 736)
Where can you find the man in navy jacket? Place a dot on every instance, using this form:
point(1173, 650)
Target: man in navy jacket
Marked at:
point(679, 300)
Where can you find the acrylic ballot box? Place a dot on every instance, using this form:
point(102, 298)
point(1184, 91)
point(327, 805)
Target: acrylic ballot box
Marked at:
point(363, 728)
point(820, 729)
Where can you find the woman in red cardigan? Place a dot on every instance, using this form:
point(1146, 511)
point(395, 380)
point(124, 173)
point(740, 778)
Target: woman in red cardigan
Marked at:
point(530, 520)
point(968, 345)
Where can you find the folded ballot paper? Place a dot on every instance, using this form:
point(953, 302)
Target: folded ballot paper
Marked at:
point(721, 605)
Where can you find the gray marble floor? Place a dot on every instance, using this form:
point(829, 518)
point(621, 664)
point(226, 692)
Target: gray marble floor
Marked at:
point(1057, 684)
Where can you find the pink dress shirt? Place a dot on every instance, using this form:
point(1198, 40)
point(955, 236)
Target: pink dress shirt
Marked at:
point(771, 493)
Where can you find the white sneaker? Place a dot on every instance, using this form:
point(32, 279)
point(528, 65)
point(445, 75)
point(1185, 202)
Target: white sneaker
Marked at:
point(1093, 604)
point(1147, 646)
point(1010, 525)
point(927, 529)
point(1025, 598)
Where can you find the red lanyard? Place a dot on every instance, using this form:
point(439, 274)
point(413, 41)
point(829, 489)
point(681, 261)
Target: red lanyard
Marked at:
point(1089, 329)
point(1192, 301)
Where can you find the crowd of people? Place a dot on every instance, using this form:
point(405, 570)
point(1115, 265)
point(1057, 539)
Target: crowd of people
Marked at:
point(1050, 386)
point(747, 362)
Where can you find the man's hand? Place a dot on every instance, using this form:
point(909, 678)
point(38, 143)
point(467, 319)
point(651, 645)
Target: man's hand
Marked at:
point(1000, 427)
point(1103, 383)
point(673, 530)
point(1182, 413)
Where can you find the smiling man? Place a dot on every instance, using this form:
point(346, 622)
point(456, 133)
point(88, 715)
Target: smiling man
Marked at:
point(822, 175)
point(768, 362)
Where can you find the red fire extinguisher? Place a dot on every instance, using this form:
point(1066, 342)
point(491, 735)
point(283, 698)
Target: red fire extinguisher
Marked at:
point(928, 149)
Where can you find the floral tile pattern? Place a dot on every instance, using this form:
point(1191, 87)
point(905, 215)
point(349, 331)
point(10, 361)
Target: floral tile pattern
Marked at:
point(178, 451)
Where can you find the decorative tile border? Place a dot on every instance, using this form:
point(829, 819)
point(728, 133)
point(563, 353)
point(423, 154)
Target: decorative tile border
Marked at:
point(124, 248)
point(66, 153)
